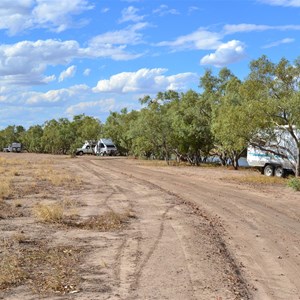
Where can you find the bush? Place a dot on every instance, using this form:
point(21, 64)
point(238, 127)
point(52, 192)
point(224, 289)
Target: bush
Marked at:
point(49, 213)
point(294, 183)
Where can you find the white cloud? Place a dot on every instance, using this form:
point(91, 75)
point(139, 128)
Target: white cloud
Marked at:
point(130, 14)
point(92, 107)
point(87, 72)
point(278, 43)
point(69, 72)
point(113, 44)
point(236, 28)
point(19, 15)
point(105, 10)
point(55, 96)
point(193, 9)
point(49, 79)
point(130, 35)
point(15, 15)
point(227, 53)
point(145, 80)
point(25, 62)
point(200, 39)
point(292, 3)
point(163, 10)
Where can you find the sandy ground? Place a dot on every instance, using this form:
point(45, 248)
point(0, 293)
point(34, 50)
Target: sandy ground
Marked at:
point(193, 233)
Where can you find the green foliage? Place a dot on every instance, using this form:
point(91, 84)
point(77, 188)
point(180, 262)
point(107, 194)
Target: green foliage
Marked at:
point(32, 139)
point(294, 183)
point(117, 127)
point(11, 134)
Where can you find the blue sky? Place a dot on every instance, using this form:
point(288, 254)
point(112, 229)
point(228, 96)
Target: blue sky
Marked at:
point(60, 58)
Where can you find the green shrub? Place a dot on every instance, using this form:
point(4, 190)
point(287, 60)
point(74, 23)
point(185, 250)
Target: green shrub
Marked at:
point(294, 183)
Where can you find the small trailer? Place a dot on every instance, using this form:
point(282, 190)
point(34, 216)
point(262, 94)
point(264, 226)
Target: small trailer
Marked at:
point(105, 147)
point(276, 156)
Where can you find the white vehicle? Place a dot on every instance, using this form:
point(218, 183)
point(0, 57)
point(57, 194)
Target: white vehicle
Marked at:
point(105, 147)
point(87, 148)
point(14, 147)
point(277, 157)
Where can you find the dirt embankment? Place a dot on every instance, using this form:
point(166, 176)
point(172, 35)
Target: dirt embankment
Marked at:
point(125, 230)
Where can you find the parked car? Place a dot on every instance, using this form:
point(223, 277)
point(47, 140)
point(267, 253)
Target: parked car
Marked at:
point(13, 147)
point(87, 148)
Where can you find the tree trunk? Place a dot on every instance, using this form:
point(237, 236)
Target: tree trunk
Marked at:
point(235, 160)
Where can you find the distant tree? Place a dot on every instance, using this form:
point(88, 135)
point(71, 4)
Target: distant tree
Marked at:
point(57, 136)
point(192, 136)
point(32, 139)
point(117, 127)
point(10, 134)
point(152, 131)
point(214, 95)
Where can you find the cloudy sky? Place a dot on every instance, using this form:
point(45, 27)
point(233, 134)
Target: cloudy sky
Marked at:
point(59, 58)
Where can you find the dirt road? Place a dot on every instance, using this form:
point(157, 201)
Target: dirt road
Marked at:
point(194, 233)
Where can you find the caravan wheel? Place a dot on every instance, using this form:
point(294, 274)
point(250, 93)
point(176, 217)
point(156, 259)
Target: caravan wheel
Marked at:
point(279, 171)
point(269, 170)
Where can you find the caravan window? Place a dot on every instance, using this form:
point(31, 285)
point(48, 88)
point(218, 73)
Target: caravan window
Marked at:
point(102, 145)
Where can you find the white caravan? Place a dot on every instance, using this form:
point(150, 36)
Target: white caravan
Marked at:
point(277, 157)
point(105, 147)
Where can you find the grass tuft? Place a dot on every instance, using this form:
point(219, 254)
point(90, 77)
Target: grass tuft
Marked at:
point(49, 213)
point(294, 183)
point(5, 189)
point(110, 221)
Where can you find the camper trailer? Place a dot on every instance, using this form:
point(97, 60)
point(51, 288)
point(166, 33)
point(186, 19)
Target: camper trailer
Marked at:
point(276, 157)
point(105, 147)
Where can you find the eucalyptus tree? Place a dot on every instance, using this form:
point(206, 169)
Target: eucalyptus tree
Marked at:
point(58, 136)
point(32, 139)
point(83, 128)
point(117, 127)
point(234, 121)
point(219, 111)
point(190, 117)
point(152, 132)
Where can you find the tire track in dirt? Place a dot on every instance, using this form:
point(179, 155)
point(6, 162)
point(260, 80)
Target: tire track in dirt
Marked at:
point(126, 255)
point(128, 281)
point(264, 238)
point(238, 289)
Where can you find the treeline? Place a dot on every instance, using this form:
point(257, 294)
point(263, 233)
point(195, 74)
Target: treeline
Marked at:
point(220, 120)
point(55, 136)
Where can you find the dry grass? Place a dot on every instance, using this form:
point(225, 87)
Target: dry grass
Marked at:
point(49, 213)
point(110, 221)
point(258, 179)
point(57, 178)
point(11, 271)
point(5, 189)
point(44, 269)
